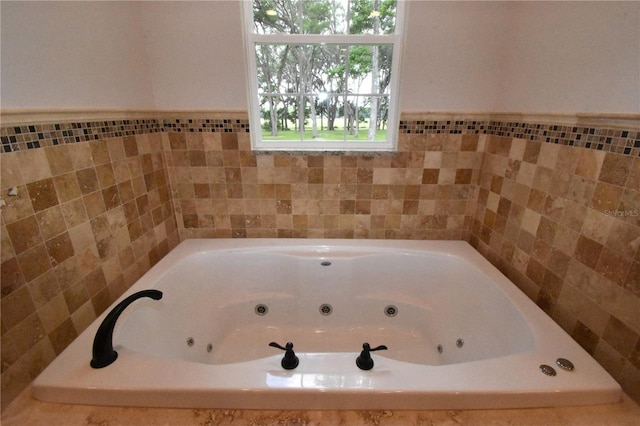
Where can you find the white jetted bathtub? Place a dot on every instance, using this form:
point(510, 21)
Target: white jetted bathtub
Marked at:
point(458, 333)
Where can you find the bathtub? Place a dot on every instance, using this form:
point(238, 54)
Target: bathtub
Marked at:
point(459, 335)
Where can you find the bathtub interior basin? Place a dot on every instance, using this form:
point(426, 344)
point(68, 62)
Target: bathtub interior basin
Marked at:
point(423, 307)
point(458, 333)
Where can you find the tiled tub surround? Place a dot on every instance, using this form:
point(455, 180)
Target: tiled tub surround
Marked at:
point(535, 199)
point(564, 225)
point(88, 219)
point(222, 190)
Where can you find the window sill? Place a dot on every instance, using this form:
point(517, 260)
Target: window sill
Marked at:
point(386, 153)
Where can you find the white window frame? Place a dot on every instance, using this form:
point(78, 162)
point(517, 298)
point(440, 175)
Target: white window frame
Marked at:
point(253, 39)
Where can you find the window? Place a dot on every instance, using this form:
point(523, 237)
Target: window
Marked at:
point(323, 74)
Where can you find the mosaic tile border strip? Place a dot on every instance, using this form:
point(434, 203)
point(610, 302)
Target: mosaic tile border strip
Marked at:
point(31, 136)
point(205, 125)
point(626, 142)
point(18, 138)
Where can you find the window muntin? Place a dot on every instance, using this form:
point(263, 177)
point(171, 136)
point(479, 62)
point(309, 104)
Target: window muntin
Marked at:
point(313, 84)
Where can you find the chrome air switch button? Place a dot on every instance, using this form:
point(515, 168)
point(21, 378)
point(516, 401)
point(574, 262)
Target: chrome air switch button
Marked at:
point(548, 370)
point(565, 364)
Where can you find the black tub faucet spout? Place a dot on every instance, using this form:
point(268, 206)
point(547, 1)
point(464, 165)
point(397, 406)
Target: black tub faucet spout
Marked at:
point(103, 353)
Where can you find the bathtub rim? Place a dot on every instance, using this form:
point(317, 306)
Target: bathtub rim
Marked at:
point(45, 388)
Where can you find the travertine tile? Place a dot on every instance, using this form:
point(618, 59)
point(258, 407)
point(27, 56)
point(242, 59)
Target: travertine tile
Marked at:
point(59, 158)
point(67, 187)
point(589, 163)
point(560, 215)
point(615, 169)
point(34, 165)
point(43, 194)
point(10, 172)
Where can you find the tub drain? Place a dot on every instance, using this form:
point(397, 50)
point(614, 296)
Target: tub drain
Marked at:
point(261, 309)
point(326, 309)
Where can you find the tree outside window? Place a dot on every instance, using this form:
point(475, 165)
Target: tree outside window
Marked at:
point(323, 73)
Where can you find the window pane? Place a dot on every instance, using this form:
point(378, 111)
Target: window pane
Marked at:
point(300, 16)
point(362, 115)
point(302, 87)
point(329, 68)
point(370, 69)
point(309, 69)
point(372, 16)
point(322, 118)
point(269, 59)
point(279, 117)
point(356, 115)
point(322, 76)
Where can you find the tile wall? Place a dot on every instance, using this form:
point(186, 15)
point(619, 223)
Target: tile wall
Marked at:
point(563, 223)
point(221, 189)
point(553, 206)
point(85, 221)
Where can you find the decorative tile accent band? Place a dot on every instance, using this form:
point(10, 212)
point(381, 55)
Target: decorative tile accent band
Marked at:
point(31, 136)
point(603, 139)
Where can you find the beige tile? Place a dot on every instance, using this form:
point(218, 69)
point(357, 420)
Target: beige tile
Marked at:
point(53, 313)
point(67, 187)
point(10, 169)
point(615, 169)
point(83, 317)
point(81, 236)
point(548, 155)
point(115, 146)
point(596, 226)
point(59, 158)
point(81, 155)
point(633, 181)
point(44, 288)
point(589, 163)
point(623, 238)
point(34, 165)
point(606, 198)
point(24, 234)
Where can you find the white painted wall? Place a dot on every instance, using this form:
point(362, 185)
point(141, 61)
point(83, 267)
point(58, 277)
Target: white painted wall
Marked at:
point(196, 54)
point(73, 55)
point(460, 56)
point(450, 56)
point(572, 56)
point(530, 56)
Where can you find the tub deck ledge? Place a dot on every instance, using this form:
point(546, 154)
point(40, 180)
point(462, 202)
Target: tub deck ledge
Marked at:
point(26, 411)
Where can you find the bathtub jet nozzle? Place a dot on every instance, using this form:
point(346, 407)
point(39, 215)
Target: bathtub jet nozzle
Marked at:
point(103, 353)
point(364, 361)
point(290, 360)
